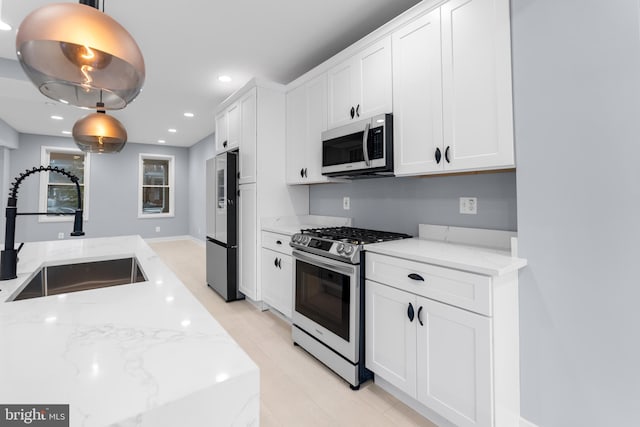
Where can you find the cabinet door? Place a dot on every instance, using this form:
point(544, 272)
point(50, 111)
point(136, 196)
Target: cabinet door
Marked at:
point(316, 94)
point(454, 363)
point(221, 131)
point(296, 135)
point(372, 85)
point(417, 97)
point(341, 88)
point(277, 281)
point(247, 282)
point(478, 120)
point(233, 126)
point(391, 335)
point(248, 138)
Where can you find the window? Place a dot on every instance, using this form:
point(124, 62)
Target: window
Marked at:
point(58, 195)
point(156, 190)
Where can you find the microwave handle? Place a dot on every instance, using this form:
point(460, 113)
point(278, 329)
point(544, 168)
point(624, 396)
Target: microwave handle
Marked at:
point(365, 150)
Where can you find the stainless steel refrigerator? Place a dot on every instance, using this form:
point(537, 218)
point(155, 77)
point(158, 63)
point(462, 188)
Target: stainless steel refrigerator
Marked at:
point(222, 225)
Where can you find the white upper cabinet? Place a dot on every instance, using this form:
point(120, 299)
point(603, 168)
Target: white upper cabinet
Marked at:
point(221, 132)
point(417, 96)
point(360, 86)
point(248, 137)
point(234, 129)
point(452, 89)
point(306, 120)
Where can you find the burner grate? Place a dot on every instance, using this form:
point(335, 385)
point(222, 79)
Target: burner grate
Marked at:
point(354, 235)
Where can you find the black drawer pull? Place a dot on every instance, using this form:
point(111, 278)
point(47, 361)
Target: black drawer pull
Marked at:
point(278, 242)
point(415, 276)
point(438, 155)
point(275, 262)
point(410, 312)
point(419, 318)
point(224, 144)
point(302, 173)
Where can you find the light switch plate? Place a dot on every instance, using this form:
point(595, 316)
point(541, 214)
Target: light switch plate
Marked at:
point(468, 205)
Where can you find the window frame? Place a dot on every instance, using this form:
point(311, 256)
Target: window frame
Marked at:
point(172, 189)
point(45, 159)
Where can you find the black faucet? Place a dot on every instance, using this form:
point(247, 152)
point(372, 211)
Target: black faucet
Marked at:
point(9, 256)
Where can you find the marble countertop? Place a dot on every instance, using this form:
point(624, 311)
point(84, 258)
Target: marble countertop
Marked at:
point(293, 224)
point(144, 354)
point(475, 259)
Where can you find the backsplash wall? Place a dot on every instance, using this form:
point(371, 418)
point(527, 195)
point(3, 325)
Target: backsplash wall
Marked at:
point(400, 204)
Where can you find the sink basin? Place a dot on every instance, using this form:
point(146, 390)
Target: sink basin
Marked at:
point(61, 279)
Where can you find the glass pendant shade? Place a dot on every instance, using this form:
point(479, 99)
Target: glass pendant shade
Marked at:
point(99, 133)
point(77, 54)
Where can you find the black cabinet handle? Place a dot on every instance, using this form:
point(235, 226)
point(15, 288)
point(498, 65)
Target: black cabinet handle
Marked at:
point(305, 172)
point(224, 144)
point(280, 263)
point(358, 110)
point(446, 154)
point(302, 173)
point(278, 242)
point(353, 112)
point(438, 155)
point(275, 262)
point(419, 318)
point(410, 312)
point(415, 276)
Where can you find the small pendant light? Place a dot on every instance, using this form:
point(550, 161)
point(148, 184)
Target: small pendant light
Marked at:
point(99, 133)
point(3, 25)
point(77, 54)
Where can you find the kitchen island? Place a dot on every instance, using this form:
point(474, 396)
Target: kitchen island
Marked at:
point(142, 354)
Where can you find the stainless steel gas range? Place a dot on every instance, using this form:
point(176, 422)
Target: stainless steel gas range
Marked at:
point(328, 316)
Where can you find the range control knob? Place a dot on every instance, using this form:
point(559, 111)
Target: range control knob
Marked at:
point(295, 238)
point(348, 249)
point(340, 247)
point(305, 239)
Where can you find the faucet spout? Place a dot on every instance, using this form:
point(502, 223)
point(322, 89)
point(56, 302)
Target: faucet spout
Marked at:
point(9, 255)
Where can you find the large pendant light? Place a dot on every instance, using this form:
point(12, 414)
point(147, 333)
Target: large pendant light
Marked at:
point(76, 54)
point(99, 133)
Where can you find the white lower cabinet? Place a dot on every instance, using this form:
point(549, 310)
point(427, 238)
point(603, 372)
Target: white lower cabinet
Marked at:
point(247, 280)
point(277, 281)
point(445, 338)
point(435, 353)
point(277, 272)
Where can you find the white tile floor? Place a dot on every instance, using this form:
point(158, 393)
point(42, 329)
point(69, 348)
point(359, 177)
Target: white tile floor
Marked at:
point(296, 390)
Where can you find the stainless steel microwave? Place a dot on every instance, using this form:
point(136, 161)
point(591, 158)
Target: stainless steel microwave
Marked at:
point(360, 148)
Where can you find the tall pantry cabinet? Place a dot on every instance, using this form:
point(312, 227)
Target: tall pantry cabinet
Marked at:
point(263, 192)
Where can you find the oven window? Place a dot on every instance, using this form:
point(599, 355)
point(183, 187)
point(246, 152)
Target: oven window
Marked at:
point(322, 295)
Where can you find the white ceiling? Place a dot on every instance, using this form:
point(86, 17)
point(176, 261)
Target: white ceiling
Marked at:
point(186, 46)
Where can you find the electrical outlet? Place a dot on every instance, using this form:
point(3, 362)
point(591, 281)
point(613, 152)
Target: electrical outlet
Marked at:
point(157, 229)
point(468, 205)
point(346, 203)
point(60, 235)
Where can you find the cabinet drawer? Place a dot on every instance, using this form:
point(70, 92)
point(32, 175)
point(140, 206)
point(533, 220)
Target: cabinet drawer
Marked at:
point(458, 288)
point(276, 242)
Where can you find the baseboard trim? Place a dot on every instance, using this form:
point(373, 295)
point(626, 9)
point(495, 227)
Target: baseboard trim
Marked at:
point(173, 238)
point(526, 423)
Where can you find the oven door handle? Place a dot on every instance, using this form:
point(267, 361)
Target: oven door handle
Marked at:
point(312, 259)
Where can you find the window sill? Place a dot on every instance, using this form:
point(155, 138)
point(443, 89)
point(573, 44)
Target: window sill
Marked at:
point(156, 216)
point(59, 218)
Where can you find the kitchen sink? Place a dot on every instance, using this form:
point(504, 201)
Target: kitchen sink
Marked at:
point(61, 279)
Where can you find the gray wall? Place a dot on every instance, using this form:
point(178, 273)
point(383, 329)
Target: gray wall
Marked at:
point(8, 136)
point(198, 155)
point(400, 204)
point(577, 122)
point(113, 199)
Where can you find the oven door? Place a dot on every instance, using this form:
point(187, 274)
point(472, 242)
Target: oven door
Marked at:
point(326, 302)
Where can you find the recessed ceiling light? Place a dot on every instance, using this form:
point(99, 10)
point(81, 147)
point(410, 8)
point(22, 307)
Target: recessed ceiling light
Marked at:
point(172, 130)
point(161, 141)
point(66, 132)
point(188, 114)
point(57, 117)
point(224, 79)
